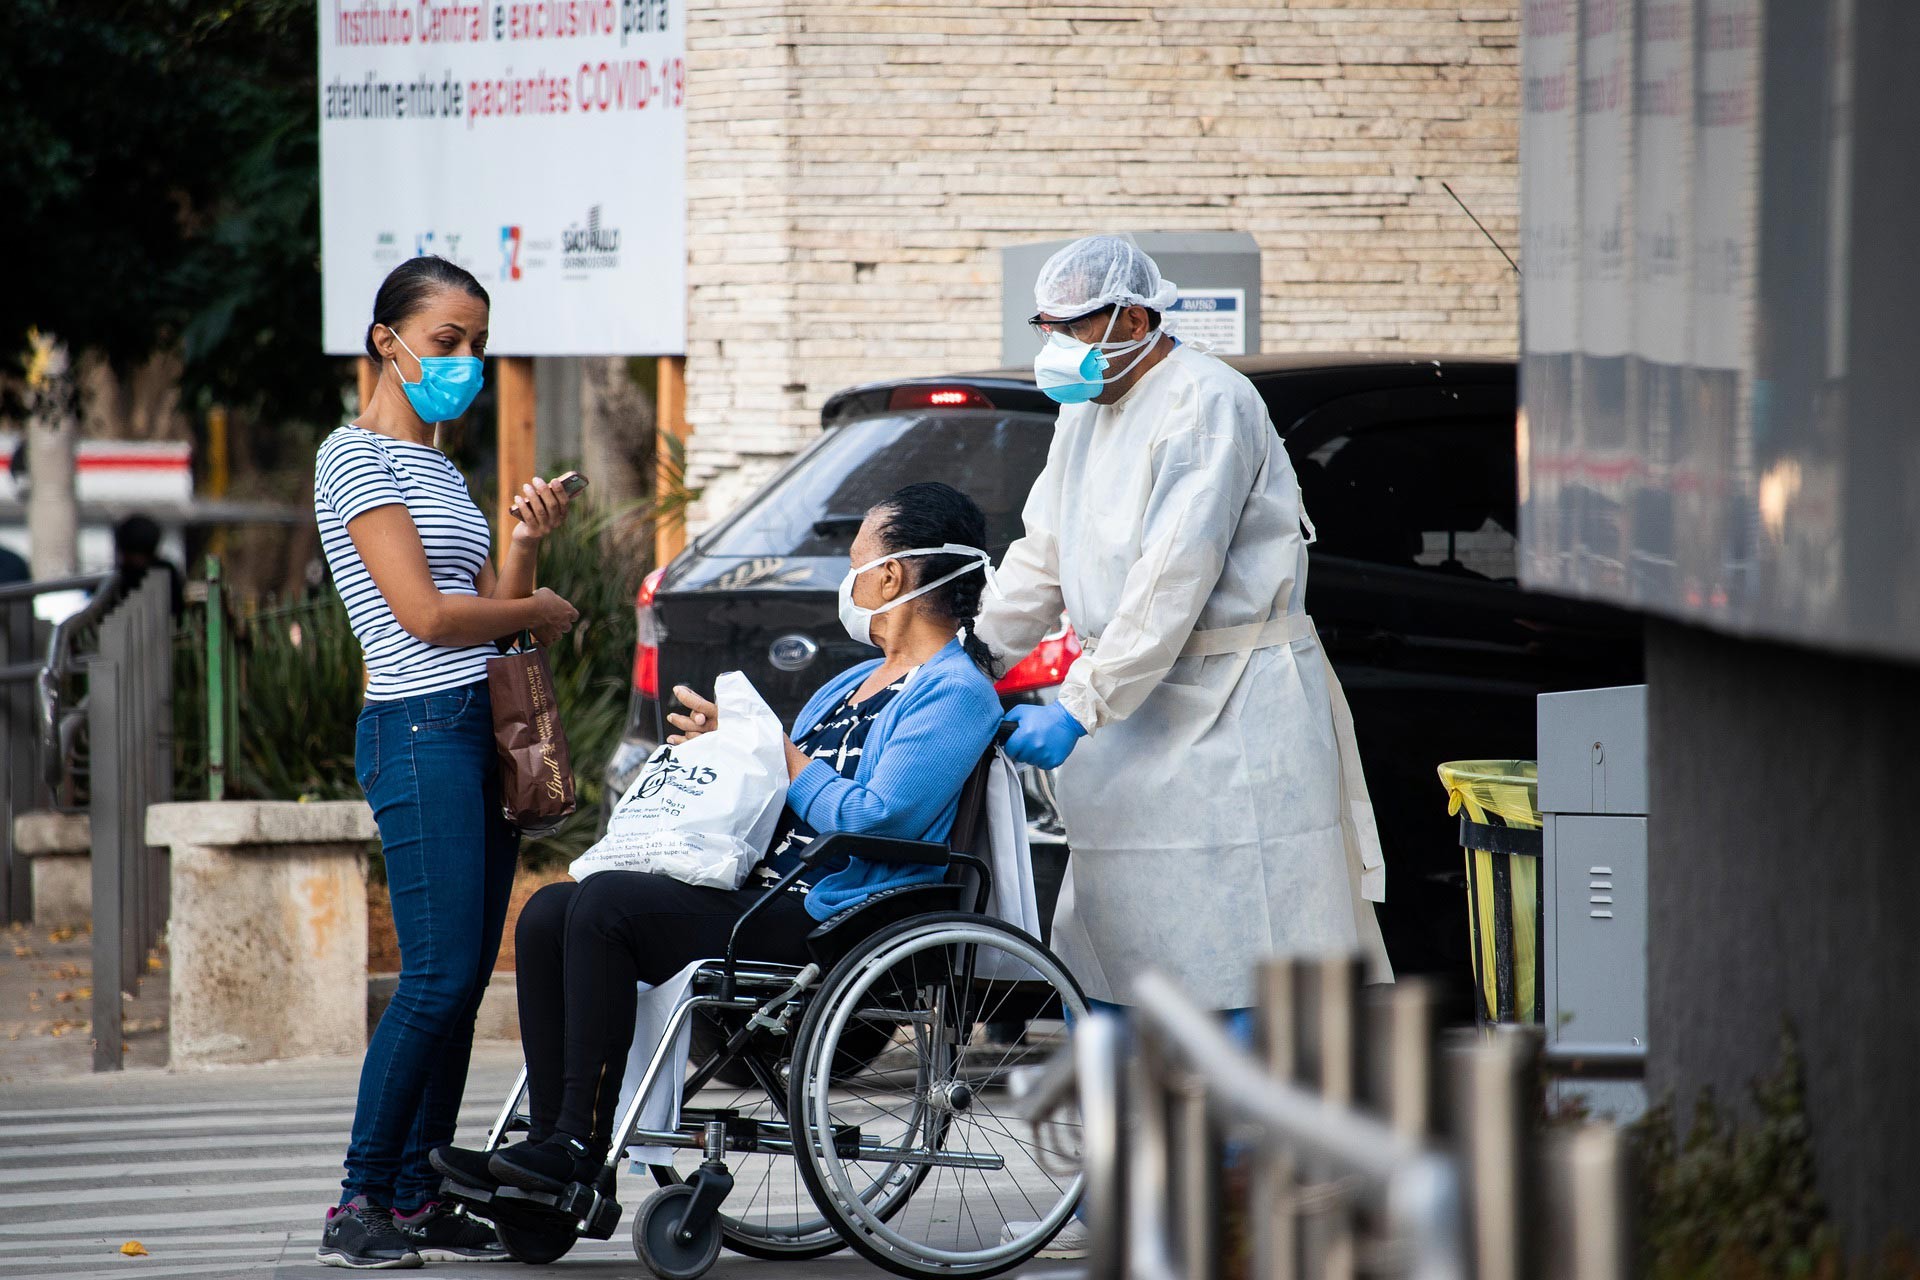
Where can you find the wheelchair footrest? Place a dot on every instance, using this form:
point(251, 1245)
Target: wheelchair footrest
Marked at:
point(577, 1203)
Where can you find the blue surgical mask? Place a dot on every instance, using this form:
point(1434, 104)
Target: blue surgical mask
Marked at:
point(447, 384)
point(1070, 371)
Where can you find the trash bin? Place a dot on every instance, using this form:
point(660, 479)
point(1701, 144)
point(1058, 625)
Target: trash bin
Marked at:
point(1497, 801)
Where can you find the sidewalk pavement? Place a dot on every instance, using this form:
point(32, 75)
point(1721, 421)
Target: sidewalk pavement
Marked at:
point(226, 1172)
point(46, 1007)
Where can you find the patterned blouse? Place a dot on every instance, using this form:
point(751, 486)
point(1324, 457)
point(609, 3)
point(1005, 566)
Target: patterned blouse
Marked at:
point(838, 740)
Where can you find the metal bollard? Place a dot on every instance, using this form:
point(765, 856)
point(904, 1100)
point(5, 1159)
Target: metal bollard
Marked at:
point(1198, 1153)
point(1150, 1150)
point(1588, 1234)
point(1276, 1228)
point(1327, 993)
point(1099, 1042)
point(1328, 1001)
point(1402, 1022)
point(1493, 1082)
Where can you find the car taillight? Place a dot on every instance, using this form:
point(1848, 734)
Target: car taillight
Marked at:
point(926, 397)
point(646, 651)
point(1045, 666)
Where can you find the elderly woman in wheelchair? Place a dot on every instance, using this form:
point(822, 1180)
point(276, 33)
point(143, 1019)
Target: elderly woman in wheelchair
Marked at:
point(845, 1097)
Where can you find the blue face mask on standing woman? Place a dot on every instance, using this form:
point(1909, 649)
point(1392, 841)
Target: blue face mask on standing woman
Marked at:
point(447, 384)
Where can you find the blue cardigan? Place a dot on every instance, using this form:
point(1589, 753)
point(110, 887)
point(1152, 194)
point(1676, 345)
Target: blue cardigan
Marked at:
point(917, 756)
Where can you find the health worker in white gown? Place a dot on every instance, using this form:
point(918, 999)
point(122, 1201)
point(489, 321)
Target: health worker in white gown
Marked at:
point(1208, 777)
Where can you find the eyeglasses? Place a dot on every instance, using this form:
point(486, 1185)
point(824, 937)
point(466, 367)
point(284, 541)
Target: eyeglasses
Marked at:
point(1043, 326)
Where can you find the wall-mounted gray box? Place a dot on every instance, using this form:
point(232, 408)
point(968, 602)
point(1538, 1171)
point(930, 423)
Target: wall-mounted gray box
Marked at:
point(1217, 272)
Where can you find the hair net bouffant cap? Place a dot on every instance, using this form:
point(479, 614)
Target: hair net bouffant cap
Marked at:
point(1100, 271)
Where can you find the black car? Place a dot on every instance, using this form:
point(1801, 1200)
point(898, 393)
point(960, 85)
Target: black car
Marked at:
point(1408, 470)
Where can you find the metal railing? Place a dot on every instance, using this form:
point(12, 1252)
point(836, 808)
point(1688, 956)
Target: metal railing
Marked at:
point(130, 753)
point(33, 710)
point(86, 719)
point(1349, 1141)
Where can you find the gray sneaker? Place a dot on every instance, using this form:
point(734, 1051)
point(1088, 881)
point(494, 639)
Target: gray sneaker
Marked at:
point(362, 1237)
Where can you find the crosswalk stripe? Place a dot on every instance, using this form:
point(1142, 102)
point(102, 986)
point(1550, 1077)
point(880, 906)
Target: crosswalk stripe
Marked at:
point(129, 1267)
point(109, 1171)
point(473, 1125)
point(98, 1252)
point(175, 1108)
point(132, 1146)
point(176, 1124)
point(137, 1194)
point(258, 1240)
point(201, 1124)
point(129, 1226)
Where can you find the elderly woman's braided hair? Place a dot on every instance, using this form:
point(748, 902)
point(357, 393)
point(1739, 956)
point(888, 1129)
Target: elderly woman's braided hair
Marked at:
point(931, 514)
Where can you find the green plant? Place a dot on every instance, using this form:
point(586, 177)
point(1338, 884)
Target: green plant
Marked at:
point(1733, 1201)
point(593, 664)
point(299, 696)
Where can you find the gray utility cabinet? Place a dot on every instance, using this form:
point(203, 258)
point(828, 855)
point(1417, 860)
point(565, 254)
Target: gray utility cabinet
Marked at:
point(1593, 806)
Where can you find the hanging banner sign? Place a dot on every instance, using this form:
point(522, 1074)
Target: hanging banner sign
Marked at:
point(540, 144)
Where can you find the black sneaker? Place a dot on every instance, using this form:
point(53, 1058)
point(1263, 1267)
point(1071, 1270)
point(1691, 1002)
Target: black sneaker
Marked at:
point(363, 1237)
point(439, 1234)
point(465, 1166)
point(546, 1166)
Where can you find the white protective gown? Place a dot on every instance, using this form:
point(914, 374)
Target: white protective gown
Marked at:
point(1216, 810)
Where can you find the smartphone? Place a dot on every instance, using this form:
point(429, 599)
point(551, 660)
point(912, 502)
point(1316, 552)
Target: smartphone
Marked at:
point(570, 484)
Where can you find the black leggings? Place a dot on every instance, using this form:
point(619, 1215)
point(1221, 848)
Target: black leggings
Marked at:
point(581, 947)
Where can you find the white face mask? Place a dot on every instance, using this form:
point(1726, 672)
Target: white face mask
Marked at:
point(858, 621)
point(1070, 371)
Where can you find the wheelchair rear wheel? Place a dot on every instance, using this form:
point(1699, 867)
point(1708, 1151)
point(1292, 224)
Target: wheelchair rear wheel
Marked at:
point(922, 1162)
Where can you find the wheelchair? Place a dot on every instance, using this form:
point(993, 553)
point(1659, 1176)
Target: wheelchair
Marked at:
point(864, 1100)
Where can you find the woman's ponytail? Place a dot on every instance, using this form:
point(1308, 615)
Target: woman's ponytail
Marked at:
point(931, 514)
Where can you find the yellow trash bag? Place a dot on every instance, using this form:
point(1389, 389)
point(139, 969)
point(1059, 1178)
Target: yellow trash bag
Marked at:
point(1500, 833)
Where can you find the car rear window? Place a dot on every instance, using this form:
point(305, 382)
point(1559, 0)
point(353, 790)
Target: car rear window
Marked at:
point(815, 508)
point(1429, 495)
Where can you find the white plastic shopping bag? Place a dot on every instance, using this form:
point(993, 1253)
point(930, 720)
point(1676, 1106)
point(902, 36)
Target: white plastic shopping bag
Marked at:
point(703, 812)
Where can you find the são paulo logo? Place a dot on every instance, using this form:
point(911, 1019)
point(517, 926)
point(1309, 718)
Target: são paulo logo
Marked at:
point(590, 246)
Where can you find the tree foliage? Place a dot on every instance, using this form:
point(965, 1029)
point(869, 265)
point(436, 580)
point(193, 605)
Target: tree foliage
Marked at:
point(161, 164)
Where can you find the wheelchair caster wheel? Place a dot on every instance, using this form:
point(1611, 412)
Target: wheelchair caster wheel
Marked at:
point(656, 1236)
point(537, 1243)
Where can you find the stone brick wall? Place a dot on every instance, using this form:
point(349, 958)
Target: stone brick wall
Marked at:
point(854, 168)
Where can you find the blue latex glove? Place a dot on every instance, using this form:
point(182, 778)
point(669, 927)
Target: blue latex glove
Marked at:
point(1042, 736)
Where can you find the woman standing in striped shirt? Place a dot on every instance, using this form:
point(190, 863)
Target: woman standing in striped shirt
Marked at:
point(409, 552)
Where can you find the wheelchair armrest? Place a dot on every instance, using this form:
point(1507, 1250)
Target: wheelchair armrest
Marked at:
point(779, 887)
point(854, 844)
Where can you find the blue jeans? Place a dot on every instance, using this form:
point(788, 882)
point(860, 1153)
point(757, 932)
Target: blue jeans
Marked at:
point(428, 768)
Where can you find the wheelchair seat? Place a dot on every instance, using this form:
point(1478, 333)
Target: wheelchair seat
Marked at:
point(841, 932)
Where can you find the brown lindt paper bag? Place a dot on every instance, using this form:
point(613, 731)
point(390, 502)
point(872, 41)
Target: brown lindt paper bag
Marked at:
point(536, 773)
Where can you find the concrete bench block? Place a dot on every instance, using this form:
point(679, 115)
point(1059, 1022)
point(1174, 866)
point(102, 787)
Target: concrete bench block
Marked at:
point(268, 935)
point(497, 1019)
point(60, 845)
